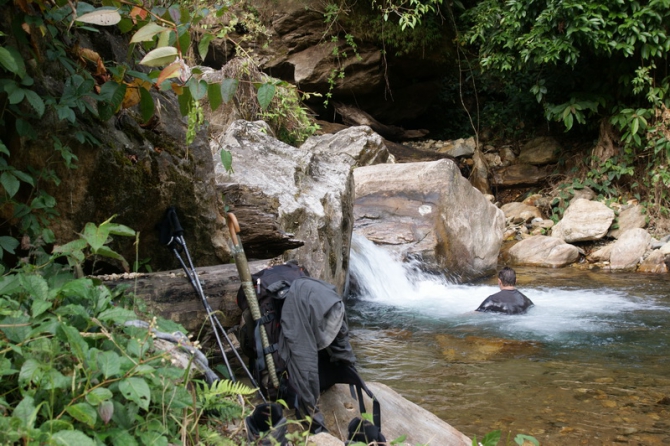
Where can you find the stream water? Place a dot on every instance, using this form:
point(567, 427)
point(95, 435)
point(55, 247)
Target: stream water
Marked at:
point(589, 364)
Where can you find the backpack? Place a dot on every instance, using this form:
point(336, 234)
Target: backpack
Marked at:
point(270, 309)
point(272, 285)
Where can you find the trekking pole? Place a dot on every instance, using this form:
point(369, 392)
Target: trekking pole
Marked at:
point(248, 287)
point(176, 241)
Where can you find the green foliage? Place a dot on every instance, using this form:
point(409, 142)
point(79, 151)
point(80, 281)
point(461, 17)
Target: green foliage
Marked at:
point(591, 61)
point(74, 373)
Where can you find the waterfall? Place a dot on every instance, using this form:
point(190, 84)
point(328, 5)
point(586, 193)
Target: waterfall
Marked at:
point(382, 281)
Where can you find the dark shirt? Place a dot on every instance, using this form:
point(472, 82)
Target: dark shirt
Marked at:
point(506, 301)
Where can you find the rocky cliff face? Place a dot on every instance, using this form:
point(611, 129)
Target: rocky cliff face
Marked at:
point(129, 170)
point(303, 48)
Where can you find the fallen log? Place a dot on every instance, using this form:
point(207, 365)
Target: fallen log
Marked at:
point(171, 295)
point(355, 116)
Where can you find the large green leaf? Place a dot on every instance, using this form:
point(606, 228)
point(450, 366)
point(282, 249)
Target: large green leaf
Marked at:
point(36, 286)
point(75, 341)
point(98, 395)
point(109, 364)
point(137, 391)
point(30, 372)
point(26, 412)
point(117, 315)
point(265, 94)
point(203, 45)
point(8, 61)
point(10, 183)
point(147, 107)
point(214, 96)
point(198, 88)
point(147, 32)
point(71, 438)
point(95, 236)
point(160, 56)
point(8, 244)
point(228, 89)
point(84, 413)
point(35, 101)
point(117, 229)
point(17, 329)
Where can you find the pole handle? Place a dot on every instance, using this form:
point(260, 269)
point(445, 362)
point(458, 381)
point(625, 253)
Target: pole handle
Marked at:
point(250, 293)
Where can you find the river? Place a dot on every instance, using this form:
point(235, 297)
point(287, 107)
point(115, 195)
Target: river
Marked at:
point(587, 365)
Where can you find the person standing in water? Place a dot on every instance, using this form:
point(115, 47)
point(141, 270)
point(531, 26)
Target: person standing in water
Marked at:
point(508, 300)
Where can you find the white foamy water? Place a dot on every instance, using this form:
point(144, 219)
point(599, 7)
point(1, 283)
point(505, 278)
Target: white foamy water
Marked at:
point(558, 314)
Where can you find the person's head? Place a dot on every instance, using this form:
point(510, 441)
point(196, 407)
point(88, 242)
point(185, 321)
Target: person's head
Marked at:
point(507, 277)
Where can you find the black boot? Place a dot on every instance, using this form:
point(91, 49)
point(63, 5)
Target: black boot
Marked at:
point(265, 424)
point(364, 432)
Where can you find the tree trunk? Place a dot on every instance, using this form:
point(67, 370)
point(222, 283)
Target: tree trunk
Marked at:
point(171, 295)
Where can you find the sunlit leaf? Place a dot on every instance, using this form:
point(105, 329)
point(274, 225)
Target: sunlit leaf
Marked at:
point(172, 70)
point(160, 56)
point(147, 32)
point(103, 17)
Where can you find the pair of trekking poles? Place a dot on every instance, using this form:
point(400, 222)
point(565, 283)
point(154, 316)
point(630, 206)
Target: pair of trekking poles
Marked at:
point(172, 235)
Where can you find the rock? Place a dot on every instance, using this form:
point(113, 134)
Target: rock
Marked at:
point(290, 198)
point(540, 151)
point(601, 254)
point(399, 417)
point(507, 156)
point(654, 263)
point(428, 210)
point(480, 173)
point(627, 251)
point(520, 212)
point(585, 192)
point(517, 175)
point(665, 249)
point(584, 220)
point(493, 159)
point(133, 173)
point(540, 250)
point(323, 439)
point(362, 144)
point(460, 147)
point(629, 218)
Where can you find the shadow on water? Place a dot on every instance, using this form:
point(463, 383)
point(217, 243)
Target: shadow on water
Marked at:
point(588, 364)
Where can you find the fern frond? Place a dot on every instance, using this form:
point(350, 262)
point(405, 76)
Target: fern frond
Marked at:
point(225, 387)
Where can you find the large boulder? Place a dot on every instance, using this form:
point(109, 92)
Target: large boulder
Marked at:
point(584, 220)
point(628, 250)
point(400, 417)
point(540, 151)
point(429, 211)
point(540, 250)
point(517, 175)
point(520, 212)
point(294, 202)
point(629, 217)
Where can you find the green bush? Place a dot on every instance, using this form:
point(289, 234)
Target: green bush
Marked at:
point(74, 373)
